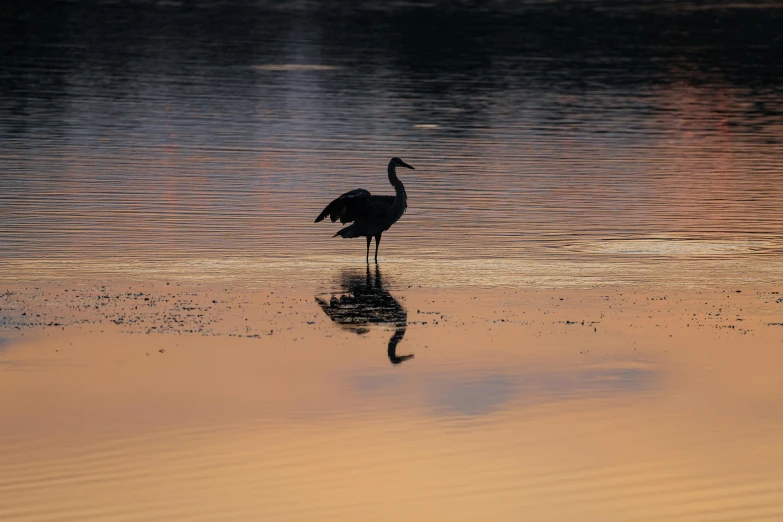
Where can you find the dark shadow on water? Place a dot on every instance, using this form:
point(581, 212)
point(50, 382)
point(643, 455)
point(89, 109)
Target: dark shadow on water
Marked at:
point(362, 302)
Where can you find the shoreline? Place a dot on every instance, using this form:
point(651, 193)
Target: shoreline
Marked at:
point(556, 271)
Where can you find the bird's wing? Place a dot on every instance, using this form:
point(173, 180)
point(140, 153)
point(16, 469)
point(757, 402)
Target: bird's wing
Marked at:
point(349, 206)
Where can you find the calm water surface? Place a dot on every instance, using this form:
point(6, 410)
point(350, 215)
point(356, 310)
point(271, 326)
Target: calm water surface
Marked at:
point(656, 408)
point(615, 136)
point(149, 145)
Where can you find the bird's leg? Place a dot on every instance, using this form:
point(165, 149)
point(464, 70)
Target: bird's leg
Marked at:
point(369, 240)
point(377, 242)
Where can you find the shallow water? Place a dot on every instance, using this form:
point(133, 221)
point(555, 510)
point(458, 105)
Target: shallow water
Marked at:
point(620, 134)
point(578, 318)
point(567, 405)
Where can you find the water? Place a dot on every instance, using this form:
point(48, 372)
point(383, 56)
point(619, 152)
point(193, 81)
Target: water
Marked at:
point(577, 318)
point(614, 133)
point(656, 408)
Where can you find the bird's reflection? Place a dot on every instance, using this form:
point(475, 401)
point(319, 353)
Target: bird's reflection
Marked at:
point(362, 302)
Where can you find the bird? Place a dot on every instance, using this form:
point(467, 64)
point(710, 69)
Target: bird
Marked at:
point(371, 215)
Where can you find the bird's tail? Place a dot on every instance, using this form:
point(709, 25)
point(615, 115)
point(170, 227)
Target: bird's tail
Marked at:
point(348, 232)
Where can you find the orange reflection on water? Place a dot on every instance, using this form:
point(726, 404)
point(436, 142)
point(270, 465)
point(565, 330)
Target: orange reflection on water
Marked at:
point(603, 404)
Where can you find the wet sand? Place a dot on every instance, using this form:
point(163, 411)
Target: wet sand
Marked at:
point(129, 401)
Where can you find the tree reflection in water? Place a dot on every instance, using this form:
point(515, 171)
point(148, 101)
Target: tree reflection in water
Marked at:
point(363, 302)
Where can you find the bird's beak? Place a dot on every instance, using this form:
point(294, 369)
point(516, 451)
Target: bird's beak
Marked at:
point(406, 165)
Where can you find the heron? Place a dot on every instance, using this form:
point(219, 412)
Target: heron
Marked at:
point(371, 215)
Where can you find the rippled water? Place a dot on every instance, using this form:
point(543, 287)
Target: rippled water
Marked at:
point(616, 133)
point(605, 405)
point(556, 144)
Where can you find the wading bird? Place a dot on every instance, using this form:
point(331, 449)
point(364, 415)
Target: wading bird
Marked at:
point(371, 215)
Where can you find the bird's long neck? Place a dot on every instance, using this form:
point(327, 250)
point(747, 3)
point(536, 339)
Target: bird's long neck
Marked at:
point(399, 190)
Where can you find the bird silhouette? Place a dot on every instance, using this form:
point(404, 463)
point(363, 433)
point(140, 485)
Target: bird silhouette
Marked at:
point(363, 302)
point(371, 215)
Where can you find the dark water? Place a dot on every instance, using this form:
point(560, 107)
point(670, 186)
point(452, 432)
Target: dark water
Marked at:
point(607, 134)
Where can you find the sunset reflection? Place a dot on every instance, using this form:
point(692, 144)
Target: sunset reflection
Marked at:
point(589, 268)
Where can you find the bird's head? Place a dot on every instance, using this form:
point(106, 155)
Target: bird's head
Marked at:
point(397, 162)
